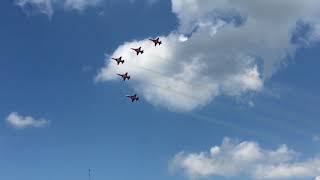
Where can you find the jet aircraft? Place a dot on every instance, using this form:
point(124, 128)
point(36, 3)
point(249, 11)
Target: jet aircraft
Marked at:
point(124, 76)
point(156, 41)
point(138, 50)
point(133, 97)
point(119, 60)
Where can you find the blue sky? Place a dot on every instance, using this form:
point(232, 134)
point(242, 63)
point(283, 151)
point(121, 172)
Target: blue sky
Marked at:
point(48, 71)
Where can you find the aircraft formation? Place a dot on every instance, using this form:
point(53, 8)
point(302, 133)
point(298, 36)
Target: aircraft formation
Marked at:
point(126, 75)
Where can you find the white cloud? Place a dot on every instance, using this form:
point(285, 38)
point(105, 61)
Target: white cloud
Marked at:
point(317, 178)
point(80, 4)
point(17, 121)
point(233, 159)
point(166, 77)
point(316, 138)
point(257, 35)
point(220, 55)
point(47, 6)
point(42, 6)
point(315, 34)
point(183, 38)
point(251, 104)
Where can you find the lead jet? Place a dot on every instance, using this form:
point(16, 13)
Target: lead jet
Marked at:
point(138, 50)
point(124, 76)
point(119, 60)
point(133, 97)
point(156, 41)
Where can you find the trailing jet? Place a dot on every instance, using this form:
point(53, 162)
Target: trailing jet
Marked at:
point(124, 76)
point(133, 97)
point(156, 41)
point(138, 50)
point(119, 60)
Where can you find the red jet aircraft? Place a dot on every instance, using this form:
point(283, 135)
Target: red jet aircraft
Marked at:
point(119, 60)
point(156, 41)
point(124, 76)
point(133, 98)
point(138, 50)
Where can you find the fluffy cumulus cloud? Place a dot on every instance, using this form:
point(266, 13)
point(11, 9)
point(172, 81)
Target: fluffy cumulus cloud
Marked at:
point(221, 47)
point(47, 6)
point(18, 121)
point(233, 159)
